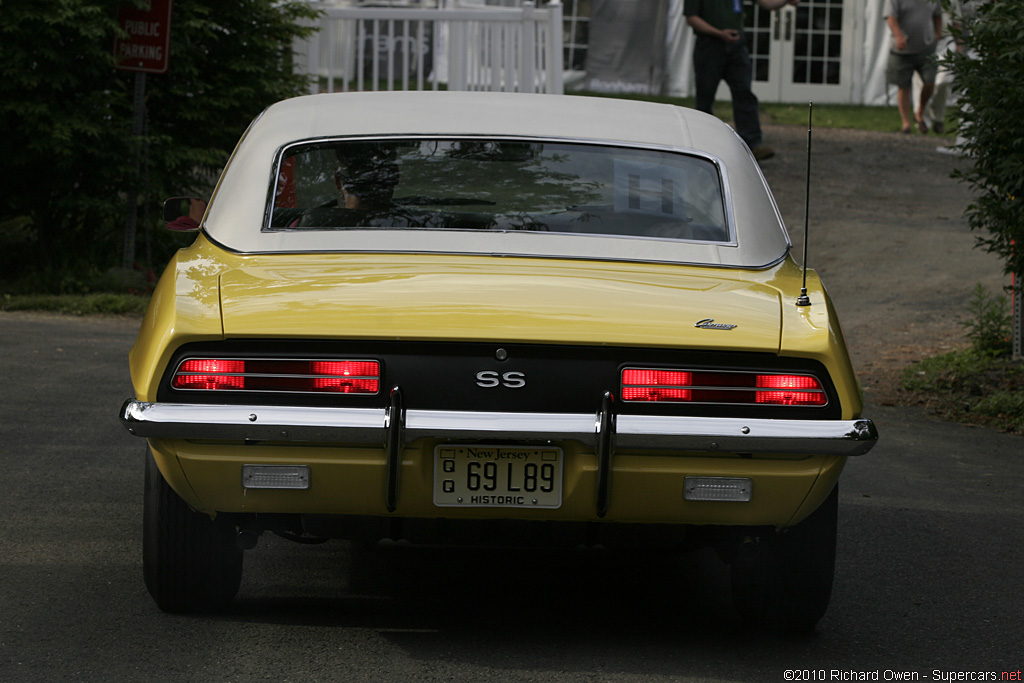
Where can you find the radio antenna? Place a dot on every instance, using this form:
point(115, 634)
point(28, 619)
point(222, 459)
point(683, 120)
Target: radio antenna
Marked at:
point(803, 299)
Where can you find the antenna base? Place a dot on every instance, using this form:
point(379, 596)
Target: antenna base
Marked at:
point(803, 299)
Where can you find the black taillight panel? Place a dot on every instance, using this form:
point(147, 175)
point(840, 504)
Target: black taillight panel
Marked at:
point(512, 377)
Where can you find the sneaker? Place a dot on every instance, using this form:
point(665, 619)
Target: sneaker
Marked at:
point(938, 128)
point(762, 152)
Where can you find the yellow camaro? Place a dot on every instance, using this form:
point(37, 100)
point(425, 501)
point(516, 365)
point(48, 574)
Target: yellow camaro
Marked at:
point(574, 319)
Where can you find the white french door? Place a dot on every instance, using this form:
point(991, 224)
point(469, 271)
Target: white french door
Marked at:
point(802, 53)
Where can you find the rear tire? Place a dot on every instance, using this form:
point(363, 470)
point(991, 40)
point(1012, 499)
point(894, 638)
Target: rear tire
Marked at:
point(191, 563)
point(788, 585)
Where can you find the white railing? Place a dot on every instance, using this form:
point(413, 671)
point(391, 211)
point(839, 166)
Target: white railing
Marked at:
point(462, 48)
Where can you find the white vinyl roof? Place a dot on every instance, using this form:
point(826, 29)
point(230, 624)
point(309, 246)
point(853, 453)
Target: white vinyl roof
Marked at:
point(237, 212)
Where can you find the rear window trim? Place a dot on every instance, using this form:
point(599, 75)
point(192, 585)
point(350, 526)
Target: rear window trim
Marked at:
point(723, 177)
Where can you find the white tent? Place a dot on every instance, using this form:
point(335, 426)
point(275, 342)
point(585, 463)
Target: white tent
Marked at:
point(842, 47)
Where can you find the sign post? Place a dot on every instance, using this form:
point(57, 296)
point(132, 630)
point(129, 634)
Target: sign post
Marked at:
point(144, 50)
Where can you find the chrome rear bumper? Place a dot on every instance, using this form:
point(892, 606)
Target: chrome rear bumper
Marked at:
point(376, 426)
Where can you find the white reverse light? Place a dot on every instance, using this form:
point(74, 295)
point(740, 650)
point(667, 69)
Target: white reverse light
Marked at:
point(722, 489)
point(275, 476)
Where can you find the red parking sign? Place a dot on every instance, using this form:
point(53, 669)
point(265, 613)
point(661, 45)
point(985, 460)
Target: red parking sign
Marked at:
point(149, 37)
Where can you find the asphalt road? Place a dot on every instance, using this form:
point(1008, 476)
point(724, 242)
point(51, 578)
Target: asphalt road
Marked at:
point(929, 578)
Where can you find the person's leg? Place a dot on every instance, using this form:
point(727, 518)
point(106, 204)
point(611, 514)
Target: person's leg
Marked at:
point(927, 66)
point(708, 66)
point(937, 106)
point(738, 75)
point(905, 107)
point(935, 112)
point(926, 93)
point(900, 72)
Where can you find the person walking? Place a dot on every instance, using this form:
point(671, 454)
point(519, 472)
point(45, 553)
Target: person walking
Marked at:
point(916, 26)
point(720, 53)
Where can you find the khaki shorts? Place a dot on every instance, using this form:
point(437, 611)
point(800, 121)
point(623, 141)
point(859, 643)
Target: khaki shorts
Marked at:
point(900, 69)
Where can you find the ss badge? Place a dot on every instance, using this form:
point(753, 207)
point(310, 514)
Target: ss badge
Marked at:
point(510, 380)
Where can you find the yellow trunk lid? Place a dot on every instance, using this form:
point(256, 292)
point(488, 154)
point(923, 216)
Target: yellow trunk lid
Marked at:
point(395, 296)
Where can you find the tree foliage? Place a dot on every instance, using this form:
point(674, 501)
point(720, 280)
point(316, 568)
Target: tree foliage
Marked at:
point(989, 77)
point(66, 115)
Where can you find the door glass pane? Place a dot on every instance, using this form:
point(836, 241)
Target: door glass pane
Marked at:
point(758, 33)
point(817, 42)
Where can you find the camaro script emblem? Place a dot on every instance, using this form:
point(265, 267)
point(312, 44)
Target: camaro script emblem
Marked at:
point(710, 324)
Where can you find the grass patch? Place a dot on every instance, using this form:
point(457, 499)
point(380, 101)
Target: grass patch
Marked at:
point(883, 119)
point(972, 387)
point(76, 304)
point(87, 291)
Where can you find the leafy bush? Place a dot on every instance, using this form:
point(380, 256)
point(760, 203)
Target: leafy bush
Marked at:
point(989, 77)
point(990, 328)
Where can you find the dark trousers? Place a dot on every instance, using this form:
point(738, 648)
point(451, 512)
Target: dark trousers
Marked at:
point(715, 60)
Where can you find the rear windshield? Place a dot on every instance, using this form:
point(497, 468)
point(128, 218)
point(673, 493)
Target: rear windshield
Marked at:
point(501, 185)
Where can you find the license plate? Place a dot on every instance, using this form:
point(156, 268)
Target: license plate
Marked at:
point(497, 476)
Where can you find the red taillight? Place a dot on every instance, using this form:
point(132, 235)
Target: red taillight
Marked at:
point(790, 390)
point(656, 385)
point(347, 376)
point(803, 382)
point(289, 376)
point(728, 387)
point(210, 374)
